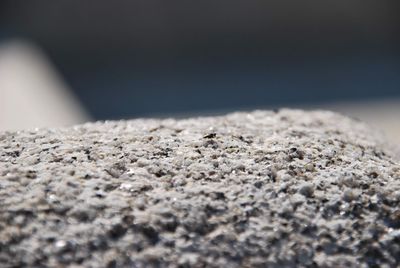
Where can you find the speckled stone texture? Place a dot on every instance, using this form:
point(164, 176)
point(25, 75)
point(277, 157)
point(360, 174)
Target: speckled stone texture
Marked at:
point(260, 189)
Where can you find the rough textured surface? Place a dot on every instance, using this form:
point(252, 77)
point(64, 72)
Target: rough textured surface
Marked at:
point(281, 189)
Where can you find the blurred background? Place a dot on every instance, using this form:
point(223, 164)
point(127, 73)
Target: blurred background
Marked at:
point(66, 62)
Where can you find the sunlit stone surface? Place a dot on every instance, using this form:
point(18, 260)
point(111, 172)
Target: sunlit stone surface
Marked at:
point(275, 189)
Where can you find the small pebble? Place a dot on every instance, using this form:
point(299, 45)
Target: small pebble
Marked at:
point(306, 189)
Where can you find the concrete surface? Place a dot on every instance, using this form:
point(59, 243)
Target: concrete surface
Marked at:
point(260, 189)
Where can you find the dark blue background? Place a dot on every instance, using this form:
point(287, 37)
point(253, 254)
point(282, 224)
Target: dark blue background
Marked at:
point(129, 58)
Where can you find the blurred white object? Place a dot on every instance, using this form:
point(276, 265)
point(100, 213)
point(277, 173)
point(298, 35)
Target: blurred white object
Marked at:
point(32, 94)
point(383, 114)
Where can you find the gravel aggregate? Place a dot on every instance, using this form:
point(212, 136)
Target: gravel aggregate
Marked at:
point(261, 189)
